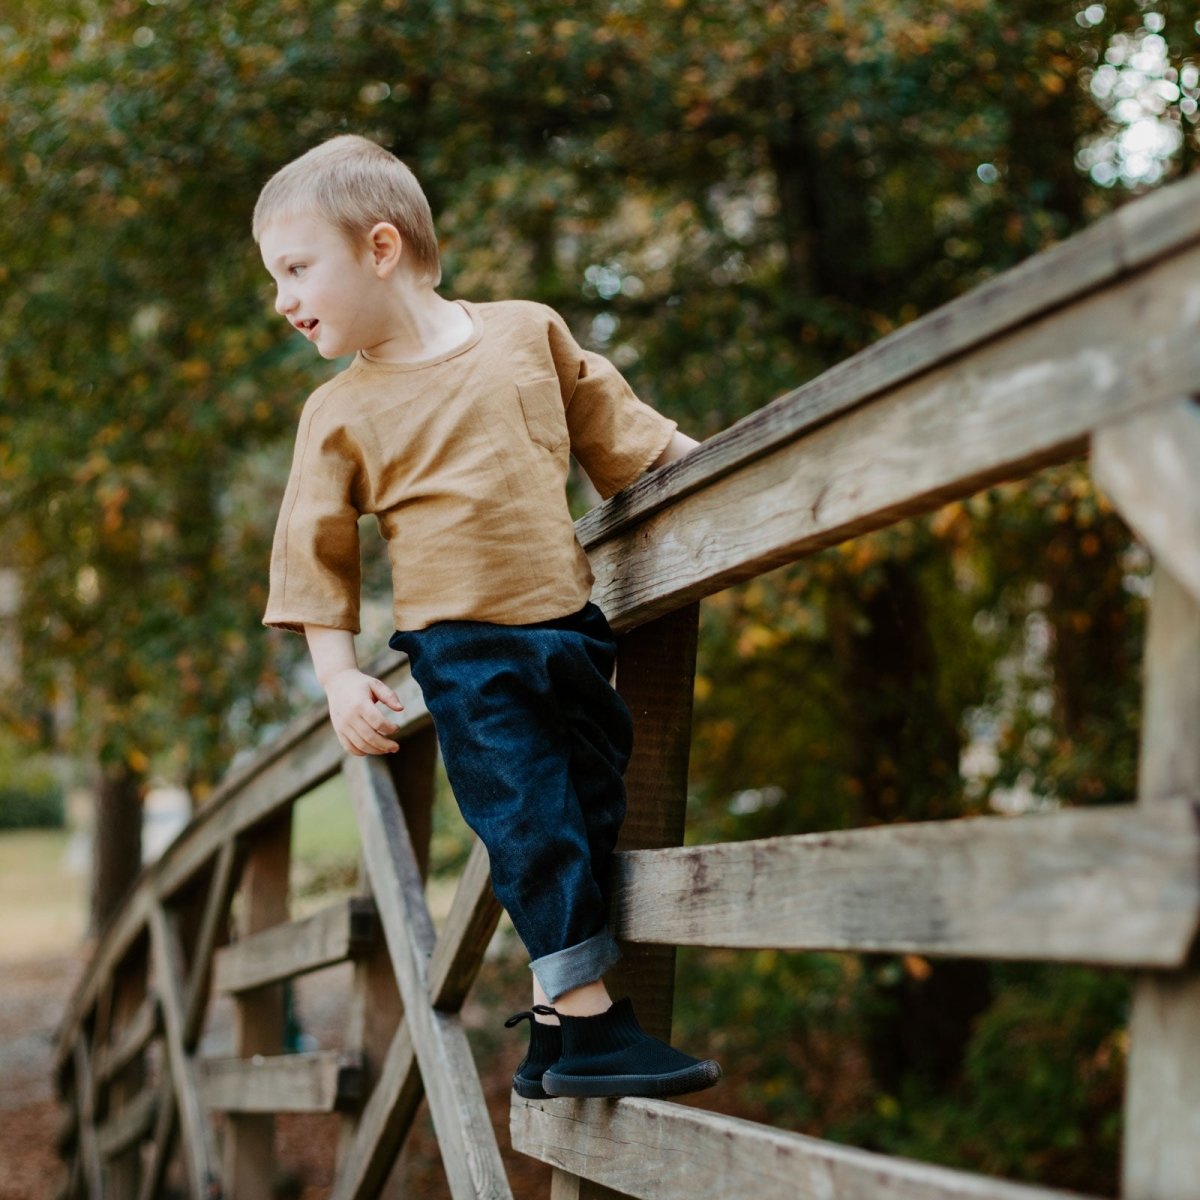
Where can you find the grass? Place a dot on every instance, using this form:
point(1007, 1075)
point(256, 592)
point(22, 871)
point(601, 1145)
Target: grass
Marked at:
point(323, 825)
point(43, 904)
point(325, 849)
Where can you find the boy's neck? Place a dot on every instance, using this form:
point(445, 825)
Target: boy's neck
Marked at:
point(423, 325)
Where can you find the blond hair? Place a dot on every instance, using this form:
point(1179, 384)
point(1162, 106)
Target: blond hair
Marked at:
point(354, 184)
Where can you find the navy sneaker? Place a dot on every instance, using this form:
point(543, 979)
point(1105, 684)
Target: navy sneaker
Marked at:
point(612, 1055)
point(545, 1048)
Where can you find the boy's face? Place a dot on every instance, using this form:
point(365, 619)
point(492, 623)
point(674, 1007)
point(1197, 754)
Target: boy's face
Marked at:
point(323, 287)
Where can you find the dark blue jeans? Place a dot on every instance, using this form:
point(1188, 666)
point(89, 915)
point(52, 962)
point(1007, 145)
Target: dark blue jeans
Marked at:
point(535, 741)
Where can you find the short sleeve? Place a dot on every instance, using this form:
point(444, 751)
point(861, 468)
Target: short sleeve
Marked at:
point(614, 436)
point(314, 557)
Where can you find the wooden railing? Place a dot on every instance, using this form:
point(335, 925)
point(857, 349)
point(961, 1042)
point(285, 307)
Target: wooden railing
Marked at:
point(1091, 347)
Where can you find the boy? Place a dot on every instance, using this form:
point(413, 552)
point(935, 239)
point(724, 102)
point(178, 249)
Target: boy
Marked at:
point(453, 425)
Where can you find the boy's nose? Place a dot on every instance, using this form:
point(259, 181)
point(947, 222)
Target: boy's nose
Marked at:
point(283, 303)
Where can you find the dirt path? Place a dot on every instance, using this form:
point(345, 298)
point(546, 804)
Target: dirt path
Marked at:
point(32, 994)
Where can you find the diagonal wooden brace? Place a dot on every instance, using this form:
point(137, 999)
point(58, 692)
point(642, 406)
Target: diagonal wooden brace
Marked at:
point(198, 1152)
point(469, 1151)
point(220, 894)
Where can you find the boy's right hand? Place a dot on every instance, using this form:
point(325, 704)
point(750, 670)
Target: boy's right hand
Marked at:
point(359, 725)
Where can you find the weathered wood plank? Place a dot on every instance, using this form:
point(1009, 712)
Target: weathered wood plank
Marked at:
point(134, 1037)
point(469, 1151)
point(1113, 886)
point(135, 1021)
point(565, 1186)
point(656, 669)
point(85, 1099)
point(133, 1122)
point(341, 932)
point(373, 1016)
point(1149, 465)
point(655, 1150)
point(319, 1082)
point(249, 1164)
point(169, 976)
point(303, 755)
point(1161, 1153)
point(376, 1010)
point(162, 1142)
point(221, 886)
point(474, 915)
point(116, 940)
point(370, 1151)
point(370, 1148)
point(1099, 257)
point(1028, 400)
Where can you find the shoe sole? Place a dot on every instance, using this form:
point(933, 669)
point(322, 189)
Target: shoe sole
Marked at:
point(528, 1088)
point(677, 1083)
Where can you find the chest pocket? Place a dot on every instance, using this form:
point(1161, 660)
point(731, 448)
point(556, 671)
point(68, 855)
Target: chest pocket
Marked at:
point(541, 402)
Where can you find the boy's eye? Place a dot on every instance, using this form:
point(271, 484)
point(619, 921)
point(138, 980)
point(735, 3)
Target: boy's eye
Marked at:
point(295, 268)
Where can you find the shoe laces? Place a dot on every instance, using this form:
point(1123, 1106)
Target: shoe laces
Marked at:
point(538, 1010)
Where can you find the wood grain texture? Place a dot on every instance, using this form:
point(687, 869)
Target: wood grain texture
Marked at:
point(1028, 400)
point(165, 1125)
point(132, 1039)
point(655, 1150)
point(335, 934)
point(303, 755)
point(368, 1154)
point(263, 903)
point(318, 1082)
point(656, 670)
point(376, 1010)
point(122, 1069)
point(1161, 1152)
point(469, 1151)
point(1149, 465)
point(133, 1122)
point(1130, 240)
point(198, 1152)
point(85, 1106)
point(1106, 886)
point(474, 915)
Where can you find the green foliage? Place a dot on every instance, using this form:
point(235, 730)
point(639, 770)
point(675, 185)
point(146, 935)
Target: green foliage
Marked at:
point(31, 796)
point(1040, 1093)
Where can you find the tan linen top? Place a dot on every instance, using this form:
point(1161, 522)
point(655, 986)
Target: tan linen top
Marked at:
point(463, 461)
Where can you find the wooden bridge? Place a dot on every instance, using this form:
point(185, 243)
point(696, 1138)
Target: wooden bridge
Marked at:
point(1092, 347)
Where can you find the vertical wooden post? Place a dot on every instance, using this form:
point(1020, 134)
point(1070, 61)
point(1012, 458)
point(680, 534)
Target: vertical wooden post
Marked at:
point(258, 1015)
point(1161, 1159)
point(375, 1005)
point(656, 669)
point(125, 1177)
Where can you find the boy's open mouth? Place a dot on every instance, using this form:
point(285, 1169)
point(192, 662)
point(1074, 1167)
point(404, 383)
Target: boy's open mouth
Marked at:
point(307, 327)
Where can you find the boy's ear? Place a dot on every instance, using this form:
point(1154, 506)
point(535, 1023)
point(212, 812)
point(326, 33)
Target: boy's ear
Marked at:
point(387, 247)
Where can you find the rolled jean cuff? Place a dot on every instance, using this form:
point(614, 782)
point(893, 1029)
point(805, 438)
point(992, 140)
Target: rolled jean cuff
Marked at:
point(583, 963)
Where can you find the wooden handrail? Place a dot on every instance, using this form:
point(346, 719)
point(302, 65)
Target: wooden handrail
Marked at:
point(1091, 346)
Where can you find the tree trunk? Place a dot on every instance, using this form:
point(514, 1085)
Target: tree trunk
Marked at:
point(908, 745)
point(117, 840)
